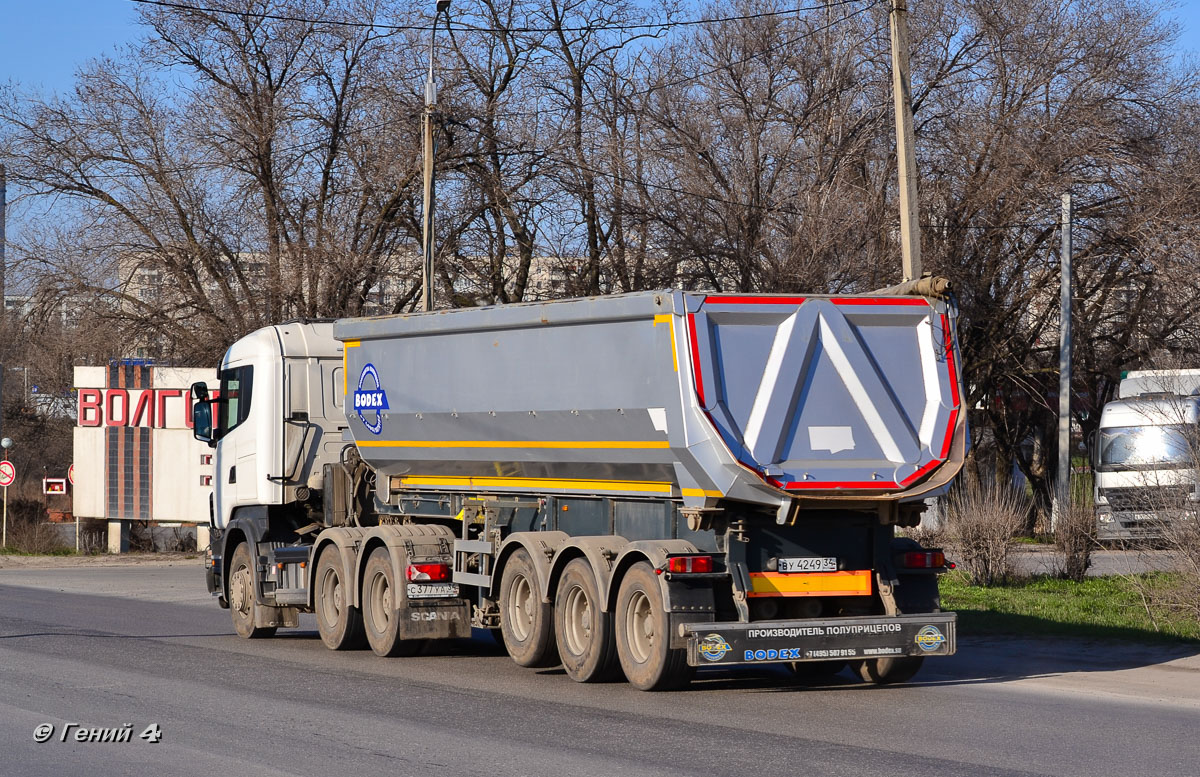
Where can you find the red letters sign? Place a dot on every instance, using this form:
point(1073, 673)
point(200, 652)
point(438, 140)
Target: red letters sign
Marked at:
point(133, 407)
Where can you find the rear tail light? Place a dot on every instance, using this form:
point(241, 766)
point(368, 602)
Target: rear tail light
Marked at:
point(428, 573)
point(684, 565)
point(923, 559)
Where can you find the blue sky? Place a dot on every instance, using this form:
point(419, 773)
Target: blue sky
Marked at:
point(43, 41)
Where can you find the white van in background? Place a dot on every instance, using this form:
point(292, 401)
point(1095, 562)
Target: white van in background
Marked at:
point(1145, 455)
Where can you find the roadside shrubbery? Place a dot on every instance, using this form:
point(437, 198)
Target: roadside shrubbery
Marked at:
point(29, 533)
point(979, 523)
point(1075, 539)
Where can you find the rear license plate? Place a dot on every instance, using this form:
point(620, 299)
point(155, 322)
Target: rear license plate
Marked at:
point(808, 564)
point(432, 590)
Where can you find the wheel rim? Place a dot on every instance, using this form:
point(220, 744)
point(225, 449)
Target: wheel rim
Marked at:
point(331, 596)
point(239, 590)
point(520, 608)
point(639, 627)
point(381, 603)
point(577, 621)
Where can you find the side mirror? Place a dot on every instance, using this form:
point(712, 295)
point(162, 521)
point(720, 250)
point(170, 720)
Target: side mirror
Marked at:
point(202, 415)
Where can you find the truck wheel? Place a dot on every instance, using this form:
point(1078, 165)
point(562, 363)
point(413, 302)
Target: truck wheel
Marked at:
point(643, 638)
point(885, 671)
point(583, 632)
point(525, 620)
point(380, 598)
point(339, 622)
point(241, 595)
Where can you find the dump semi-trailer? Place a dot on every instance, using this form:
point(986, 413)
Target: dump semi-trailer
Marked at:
point(646, 483)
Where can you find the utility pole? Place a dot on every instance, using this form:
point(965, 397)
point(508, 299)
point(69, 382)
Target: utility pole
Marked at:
point(3, 271)
point(1063, 492)
point(3, 217)
point(906, 160)
point(427, 131)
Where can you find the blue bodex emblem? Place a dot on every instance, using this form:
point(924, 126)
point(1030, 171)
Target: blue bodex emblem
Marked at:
point(714, 647)
point(930, 638)
point(370, 400)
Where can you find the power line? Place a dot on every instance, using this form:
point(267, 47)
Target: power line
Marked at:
point(757, 54)
point(664, 25)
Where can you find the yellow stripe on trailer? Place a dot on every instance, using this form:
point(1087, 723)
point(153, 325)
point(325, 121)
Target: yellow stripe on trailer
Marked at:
point(345, 364)
point(566, 444)
point(701, 492)
point(669, 319)
point(638, 486)
point(857, 583)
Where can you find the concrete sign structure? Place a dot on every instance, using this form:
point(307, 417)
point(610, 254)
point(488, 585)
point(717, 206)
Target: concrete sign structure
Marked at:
point(135, 458)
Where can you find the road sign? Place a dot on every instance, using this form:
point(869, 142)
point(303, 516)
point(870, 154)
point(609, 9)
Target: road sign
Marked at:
point(8, 473)
point(71, 474)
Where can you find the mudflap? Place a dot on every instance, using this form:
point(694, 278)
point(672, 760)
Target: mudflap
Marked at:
point(928, 634)
point(281, 617)
point(443, 618)
point(427, 610)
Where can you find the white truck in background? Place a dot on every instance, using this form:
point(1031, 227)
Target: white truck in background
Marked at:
point(1145, 455)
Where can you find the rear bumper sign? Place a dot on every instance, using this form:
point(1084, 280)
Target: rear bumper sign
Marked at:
point(930, 634)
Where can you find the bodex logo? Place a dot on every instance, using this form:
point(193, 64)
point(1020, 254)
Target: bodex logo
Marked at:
point(370, 400)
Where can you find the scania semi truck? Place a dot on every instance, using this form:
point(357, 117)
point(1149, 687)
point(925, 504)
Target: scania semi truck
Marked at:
point(639, 484)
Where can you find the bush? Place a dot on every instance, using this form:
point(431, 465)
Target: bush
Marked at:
point(27, 533)
point(1075, 539)
point(980, 523)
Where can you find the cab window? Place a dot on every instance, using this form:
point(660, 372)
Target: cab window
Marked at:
point(233, 403)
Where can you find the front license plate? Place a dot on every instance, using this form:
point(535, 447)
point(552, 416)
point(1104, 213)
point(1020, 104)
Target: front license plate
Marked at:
point(432, 590)
point(808, 564)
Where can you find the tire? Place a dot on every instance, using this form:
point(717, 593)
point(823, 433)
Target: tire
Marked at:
point(380, 598)
point(583, 633)
point(526, 621)
point(886, 671)
point(643, 640)
point(241, 595)
point(339, 621)
point(815, 671)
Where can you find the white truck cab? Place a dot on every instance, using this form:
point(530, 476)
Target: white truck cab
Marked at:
point(276, 416)
point(1145, 454)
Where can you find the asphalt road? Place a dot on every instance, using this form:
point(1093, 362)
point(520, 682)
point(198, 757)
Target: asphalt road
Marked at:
point(140, 645)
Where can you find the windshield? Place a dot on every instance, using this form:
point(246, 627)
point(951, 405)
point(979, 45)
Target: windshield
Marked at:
point(1143, 447)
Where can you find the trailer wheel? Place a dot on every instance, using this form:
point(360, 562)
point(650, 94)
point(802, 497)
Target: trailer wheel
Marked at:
point(583, 632)
point(643, 638)
point(339, 621)
point(526, 622)
point(241, 595)
point(886, 671)
point(380, 615)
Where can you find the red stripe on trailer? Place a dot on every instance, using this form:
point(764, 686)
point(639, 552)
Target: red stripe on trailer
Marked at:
point(696, 376)
point(878, 485)
point(879, 301)
point(754, 300)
